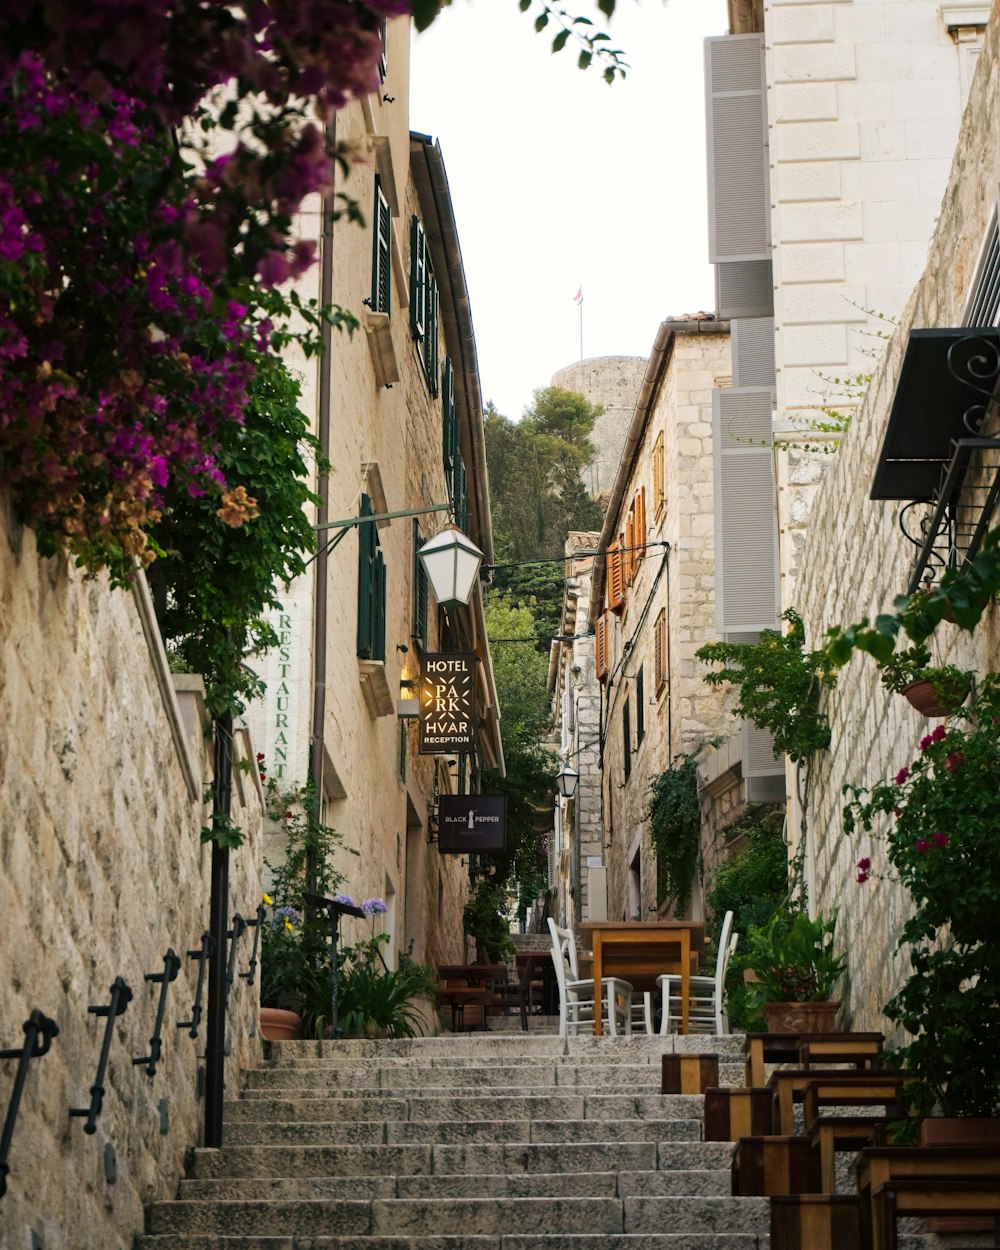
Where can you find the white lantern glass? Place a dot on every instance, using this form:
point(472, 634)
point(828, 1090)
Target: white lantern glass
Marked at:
point(566, 781)
point(451, 561)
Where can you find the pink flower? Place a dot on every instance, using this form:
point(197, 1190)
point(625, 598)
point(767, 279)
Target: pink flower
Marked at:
point(955, 761)
point(864, 864)
point(939, 733)
point(902, 775)
point(925, 742)
point(922, 845)
point(940, 839)
point(260, 756)
point(861, 878)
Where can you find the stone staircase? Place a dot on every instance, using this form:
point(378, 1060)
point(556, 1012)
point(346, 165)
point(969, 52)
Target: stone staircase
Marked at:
point(470, 1142)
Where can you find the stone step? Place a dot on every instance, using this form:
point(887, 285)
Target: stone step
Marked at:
point(463, 1185)
point(499, 1107)
point(516, 1045)
point(475, 1216)
point(454, 1132)
point(556, 1241)
point(492, 1075)
point(413, 1160)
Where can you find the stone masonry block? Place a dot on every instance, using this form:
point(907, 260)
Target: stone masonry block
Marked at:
point(826, 141)
point(812, 63)
point(802, 25)
point(809, 181)
point(800, 102)
point(819, 223)
point(811, 262)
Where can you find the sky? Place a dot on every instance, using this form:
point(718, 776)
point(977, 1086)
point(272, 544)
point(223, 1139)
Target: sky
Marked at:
point(561, 182)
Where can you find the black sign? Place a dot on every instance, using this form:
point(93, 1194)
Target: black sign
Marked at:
point(472, 822)
point(447, 703)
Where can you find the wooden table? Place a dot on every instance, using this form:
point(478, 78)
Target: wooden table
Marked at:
point(468, 985)
point(641, 950)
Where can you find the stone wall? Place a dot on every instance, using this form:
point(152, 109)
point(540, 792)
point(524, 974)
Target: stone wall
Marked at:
point(855, 560)
point(102, 779)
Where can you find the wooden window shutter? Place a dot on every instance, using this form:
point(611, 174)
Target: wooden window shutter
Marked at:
point(629, 545)
point(627, 739)
point(659, 495)
point(616, 578)
point(736, 130)
point(640, 705)
point(660, 650)
point(431, 339)
point(746, 527)
point(378, 606)
point(449, 416)
point(418, 279)
point(763, 771)
point(381, 253)
point(383, 37)
point(420, 591)
point(601, 648)
point(367, 551)
point(752, 341)
point(639, 538)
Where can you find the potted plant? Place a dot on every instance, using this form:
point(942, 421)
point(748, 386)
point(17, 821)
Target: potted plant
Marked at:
point(937, 823)
point(934, 690)
point(795, 968)
point(486, 921)
point(295, 942)
point(375, 1000)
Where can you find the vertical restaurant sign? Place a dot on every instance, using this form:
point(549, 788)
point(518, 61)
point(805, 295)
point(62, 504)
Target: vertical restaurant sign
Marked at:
point(447, 702)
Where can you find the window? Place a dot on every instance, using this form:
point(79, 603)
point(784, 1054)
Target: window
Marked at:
point(381, 254)
point(627, 738)
point(423, 304)
point(616, 578)
point(419, 627)
point(984, 302)
point(383, 34)
point(659, 494)
point(371, 588)
point(660, 651)
point(640, 708)
point(635, 535)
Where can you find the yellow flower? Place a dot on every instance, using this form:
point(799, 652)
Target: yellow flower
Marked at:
point(288, 925)
point(268, 899)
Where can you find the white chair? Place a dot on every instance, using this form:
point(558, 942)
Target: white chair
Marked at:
point(707, 1001)
point(576, 995)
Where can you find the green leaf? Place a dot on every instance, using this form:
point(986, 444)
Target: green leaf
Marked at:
point(524, 5)
point(541, 21)
point(607, 7)
point(560, 41)
point(584, 59)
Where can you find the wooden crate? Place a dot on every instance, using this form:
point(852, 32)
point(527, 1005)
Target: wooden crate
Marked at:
point(734, 1113)
point(763, 1166)
point(815, 1222)
point(688, 1074)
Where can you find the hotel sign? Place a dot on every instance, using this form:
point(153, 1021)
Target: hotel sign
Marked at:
point(447, 703)
point(472, 822)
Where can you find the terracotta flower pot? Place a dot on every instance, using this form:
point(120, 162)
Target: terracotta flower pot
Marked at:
point(922, 696)
point(278, 1025)
point(801, 1017)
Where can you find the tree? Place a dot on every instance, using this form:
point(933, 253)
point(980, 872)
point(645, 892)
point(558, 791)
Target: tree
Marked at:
point(521, 672)
point(537, 496)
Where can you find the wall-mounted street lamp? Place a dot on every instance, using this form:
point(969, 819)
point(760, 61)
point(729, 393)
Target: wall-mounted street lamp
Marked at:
point(566, 781)
point(451, 561)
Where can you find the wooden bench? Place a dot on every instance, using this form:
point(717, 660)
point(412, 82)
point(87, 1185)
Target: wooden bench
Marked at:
point(830, 1133)
point(815, 1222)
point(688, 1074)
point(920, 1196)
point(881, 1167)
point(458, 997)
point(856, 1089)
point(788, 1086)
point(763, 1166)
point(807, 1049)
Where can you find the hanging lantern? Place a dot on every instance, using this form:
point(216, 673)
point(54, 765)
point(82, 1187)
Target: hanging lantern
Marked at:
point(451, 562)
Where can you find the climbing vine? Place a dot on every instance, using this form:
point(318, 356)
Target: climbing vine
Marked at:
point(674, 820)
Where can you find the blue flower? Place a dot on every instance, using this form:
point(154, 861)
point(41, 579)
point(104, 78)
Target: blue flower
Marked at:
point(373, 906)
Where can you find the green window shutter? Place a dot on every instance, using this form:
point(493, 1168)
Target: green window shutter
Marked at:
point(418, 279)
point(450, 416)
point(367, 550)
point(431, 344)
point(420, 596)
point(383, 63)
point(459, 494)
point(381, 253)
point(378, 607)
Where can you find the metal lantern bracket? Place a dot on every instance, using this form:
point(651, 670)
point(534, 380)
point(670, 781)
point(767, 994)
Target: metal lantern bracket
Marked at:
point(39, 1031)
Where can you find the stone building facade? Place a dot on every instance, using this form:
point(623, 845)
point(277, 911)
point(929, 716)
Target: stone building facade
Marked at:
point(104, 768)
point(611, 383)
point(855, 560)
point(652, 603)
point(399, 409)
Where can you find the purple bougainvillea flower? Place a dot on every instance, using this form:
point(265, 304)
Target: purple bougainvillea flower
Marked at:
point(925, 742)
point(939, 734)
point(864, 864)
point(941, 839)
point(922, 845)
point(902, 775)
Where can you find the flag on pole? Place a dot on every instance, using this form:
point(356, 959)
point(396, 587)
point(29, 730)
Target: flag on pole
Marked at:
point(578, 297)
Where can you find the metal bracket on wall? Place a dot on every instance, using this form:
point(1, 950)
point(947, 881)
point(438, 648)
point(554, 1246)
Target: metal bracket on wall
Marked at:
point(171, 966)
point(121, 996)
point(202, 956)
point(39, 1031)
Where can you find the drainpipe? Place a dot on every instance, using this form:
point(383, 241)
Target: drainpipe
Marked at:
point(322, 515)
